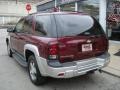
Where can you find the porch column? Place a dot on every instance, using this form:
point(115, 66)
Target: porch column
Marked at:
point(102, 18)
point(76, 6)
point(3, 18)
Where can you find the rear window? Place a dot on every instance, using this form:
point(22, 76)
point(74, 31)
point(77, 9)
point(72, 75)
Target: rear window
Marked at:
point(75, 25)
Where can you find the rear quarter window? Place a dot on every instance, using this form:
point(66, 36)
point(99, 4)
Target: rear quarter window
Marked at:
point(44, 26)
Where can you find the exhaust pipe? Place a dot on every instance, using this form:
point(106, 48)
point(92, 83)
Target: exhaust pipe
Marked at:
point(100, 71)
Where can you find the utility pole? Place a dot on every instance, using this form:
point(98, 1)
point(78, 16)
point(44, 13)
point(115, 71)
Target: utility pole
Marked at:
point(16, 1)
point(55, 3)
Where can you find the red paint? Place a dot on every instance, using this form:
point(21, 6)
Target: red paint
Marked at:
point(71, 47)
point(66, 48)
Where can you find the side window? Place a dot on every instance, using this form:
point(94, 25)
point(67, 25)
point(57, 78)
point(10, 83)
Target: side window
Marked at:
point(28, 24)
point(42, 25)
point(19, 26)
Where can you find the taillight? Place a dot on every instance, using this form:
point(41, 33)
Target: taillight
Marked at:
point(53, 51)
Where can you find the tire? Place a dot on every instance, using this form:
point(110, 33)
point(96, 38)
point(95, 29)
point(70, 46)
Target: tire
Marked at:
point(34, 72)
point(9, 50)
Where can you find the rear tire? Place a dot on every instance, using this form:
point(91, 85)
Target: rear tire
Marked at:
point(34, 72)
point(9, 50)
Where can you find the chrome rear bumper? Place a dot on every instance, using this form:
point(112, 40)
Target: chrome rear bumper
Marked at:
point(78, 68)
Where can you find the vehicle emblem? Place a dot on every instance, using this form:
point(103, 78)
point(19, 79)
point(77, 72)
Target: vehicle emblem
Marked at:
point(89, 41)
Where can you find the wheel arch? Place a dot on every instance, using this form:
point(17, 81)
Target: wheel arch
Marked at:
point(30, 49)
point(27, 54)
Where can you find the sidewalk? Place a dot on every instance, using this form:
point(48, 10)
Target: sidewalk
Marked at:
point(114, 66)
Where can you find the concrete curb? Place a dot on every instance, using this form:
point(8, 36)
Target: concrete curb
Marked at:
point(114, 42)
point(110, 73)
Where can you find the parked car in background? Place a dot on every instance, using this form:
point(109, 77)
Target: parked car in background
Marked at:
point(58, 45)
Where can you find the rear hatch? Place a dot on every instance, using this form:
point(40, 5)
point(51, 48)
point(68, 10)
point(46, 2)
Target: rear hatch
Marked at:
point(79, 37)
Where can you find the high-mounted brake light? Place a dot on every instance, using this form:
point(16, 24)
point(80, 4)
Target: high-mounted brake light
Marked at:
point(53, 51)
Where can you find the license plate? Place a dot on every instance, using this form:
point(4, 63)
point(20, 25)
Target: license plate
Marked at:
point(86, 47)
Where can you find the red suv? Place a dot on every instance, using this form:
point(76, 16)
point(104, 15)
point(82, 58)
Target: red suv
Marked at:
point(58, 44)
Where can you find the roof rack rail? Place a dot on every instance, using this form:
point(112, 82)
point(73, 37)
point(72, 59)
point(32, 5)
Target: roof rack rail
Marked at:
point(52, 11)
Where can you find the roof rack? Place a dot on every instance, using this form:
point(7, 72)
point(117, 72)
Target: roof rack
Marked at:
point(53, 11)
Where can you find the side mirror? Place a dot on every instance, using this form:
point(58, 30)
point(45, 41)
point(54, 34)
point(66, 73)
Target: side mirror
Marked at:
point(10, 29)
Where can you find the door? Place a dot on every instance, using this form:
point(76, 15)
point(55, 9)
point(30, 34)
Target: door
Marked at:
point(25, 34)
point(15, 36)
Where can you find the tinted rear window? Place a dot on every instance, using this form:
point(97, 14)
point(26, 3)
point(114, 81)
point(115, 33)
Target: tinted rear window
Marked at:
point(75, 25)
